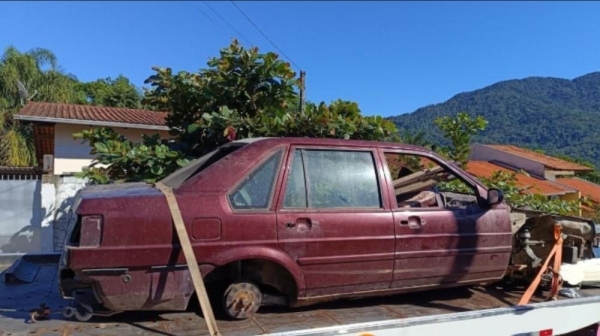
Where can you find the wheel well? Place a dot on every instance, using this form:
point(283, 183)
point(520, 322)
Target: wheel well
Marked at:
point(267, 274)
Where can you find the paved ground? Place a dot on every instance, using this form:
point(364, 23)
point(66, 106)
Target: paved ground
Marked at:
point(17, 300)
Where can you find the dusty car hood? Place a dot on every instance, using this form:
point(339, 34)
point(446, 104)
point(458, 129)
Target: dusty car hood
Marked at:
point(135, 189)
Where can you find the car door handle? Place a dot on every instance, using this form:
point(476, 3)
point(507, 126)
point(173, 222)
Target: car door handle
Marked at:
point(302, 224)
point(413, 222)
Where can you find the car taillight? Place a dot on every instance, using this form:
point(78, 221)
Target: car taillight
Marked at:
point(91, 231)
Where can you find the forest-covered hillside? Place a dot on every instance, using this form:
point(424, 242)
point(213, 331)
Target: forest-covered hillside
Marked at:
point(559, 116)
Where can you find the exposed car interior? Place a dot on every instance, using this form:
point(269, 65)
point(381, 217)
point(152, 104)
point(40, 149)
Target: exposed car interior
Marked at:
point(418, 187)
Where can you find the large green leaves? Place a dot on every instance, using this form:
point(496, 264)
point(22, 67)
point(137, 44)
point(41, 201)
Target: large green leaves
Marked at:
point(119, 160)
point(242, 94)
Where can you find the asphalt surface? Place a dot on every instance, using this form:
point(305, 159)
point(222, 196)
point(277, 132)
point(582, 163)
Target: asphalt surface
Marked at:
point(16, 301)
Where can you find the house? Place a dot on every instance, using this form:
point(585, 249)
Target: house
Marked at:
point(35, 201)
point(534, 163)
point(54, 125)
point(588, 189)
point(529, 183)
point(542, 174)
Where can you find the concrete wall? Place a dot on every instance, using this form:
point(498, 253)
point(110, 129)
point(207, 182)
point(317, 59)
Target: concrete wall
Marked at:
point(48, 195)
point(66, 188)
point(481, 152)
point(20, 215)
point(574, 196)
point(552, 174)
point(34, 214)
point(71, 155)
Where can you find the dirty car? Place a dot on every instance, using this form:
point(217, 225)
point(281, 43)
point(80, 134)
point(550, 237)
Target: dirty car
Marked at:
point(290, 221)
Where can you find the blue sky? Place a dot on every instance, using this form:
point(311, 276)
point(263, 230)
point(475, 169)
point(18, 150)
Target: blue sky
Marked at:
point(390, 57)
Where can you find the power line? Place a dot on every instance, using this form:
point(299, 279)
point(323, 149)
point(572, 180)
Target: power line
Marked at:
point(208, 17)
point(227, 22)
point(264, 35)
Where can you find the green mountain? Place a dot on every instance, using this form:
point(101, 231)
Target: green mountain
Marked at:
point(558, 116)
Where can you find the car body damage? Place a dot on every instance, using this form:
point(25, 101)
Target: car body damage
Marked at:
point(295, 221)
point(534, 239)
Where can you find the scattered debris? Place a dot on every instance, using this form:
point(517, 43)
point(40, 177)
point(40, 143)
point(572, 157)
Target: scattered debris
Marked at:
point(569, 292)
point(40, 313)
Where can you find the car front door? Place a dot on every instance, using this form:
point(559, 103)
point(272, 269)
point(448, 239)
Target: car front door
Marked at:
point(442, 233)
point(335, 221)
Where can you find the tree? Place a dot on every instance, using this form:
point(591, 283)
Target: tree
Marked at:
point(242, 94)
point(459, 131)
point(39, 72)
point(554, 114)
point(118, 92)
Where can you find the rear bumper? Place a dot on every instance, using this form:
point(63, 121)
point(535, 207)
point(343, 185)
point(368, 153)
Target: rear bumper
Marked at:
point(122, 289)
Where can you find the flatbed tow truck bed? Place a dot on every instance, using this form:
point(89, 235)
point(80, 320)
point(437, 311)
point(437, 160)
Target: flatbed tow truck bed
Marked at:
point(16, 301)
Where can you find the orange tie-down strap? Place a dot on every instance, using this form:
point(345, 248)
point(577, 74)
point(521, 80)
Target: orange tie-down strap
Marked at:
point(190, 259)
point(556, 252)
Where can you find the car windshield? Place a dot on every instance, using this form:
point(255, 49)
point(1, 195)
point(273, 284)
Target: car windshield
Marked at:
point(178, 177)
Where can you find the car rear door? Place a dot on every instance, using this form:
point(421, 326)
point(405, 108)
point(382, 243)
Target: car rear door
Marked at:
point(439, 238)
point(335, 221)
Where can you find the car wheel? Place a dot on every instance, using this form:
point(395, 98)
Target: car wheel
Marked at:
point(241, 300)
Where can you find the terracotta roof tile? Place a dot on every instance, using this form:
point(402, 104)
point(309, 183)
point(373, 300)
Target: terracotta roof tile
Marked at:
point(536, 185)
point(34, 110)
point(548, 161)
point(587, 189)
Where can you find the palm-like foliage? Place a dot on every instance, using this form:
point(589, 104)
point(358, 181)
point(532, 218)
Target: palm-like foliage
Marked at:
point(39, 72)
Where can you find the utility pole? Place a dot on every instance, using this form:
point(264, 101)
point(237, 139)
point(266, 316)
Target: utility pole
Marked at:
point(302, 78)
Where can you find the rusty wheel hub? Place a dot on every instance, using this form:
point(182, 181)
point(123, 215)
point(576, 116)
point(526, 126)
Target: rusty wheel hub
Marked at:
point(241, 300)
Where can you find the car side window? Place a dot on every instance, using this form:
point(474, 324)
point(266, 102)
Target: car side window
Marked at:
point(295, 190)
point(256, 190)
point(332, 179)
point(420, 182)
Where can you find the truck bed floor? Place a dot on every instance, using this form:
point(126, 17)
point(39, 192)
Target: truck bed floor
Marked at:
point(16, 300)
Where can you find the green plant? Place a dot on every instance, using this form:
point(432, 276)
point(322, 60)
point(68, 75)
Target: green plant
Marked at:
point(459, 130)
point(118, 159)
point(44, 80)
point(242, 94)
point(456, 186)
point(518, 197)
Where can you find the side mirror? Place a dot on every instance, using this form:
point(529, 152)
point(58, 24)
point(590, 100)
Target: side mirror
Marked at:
point(495, 196)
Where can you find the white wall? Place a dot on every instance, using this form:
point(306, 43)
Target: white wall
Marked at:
point(71, 155)
point(63, 199)
point(48, 197)
point(20, 216)
point(481, 152)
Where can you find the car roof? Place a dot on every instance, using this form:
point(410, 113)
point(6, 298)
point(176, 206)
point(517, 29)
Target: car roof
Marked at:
point(331, 142)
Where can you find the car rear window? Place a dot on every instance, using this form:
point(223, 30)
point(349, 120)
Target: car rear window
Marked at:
point(177, 178)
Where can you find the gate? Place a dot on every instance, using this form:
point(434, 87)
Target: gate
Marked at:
point(20, 210)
